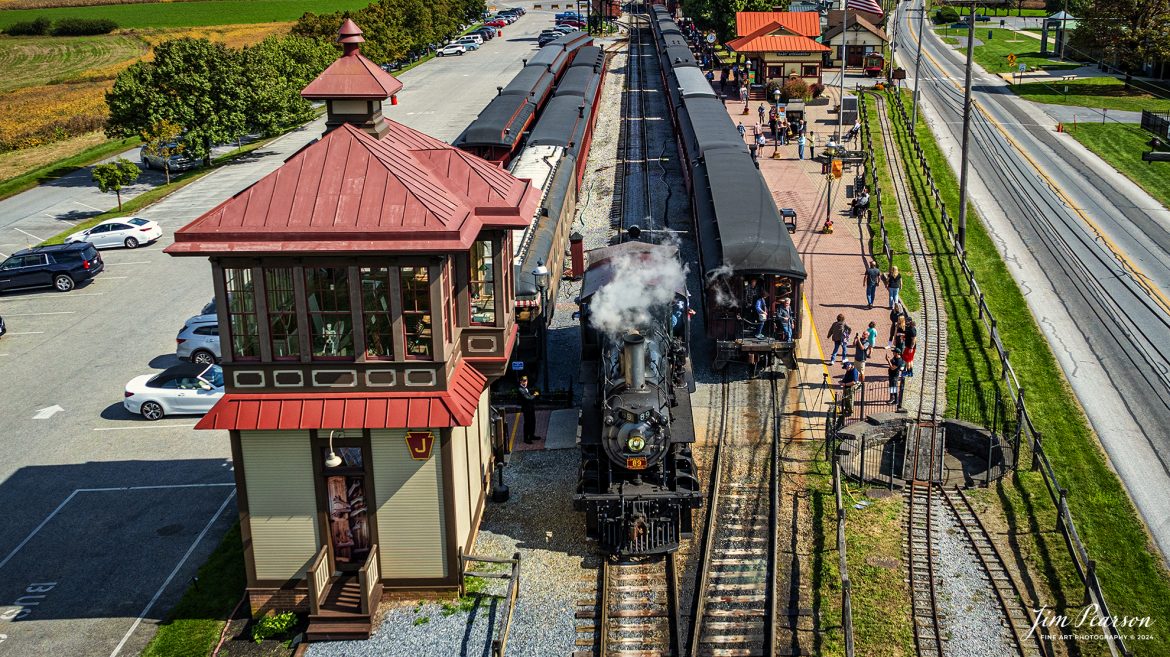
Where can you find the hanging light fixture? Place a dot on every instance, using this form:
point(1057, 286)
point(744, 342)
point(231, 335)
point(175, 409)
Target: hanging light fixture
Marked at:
point(333, 460)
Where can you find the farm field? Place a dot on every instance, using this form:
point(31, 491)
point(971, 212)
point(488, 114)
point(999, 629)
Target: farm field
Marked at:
point(187, 14)
point(37, 60)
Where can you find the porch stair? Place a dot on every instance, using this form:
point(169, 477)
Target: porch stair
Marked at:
point(340, 616)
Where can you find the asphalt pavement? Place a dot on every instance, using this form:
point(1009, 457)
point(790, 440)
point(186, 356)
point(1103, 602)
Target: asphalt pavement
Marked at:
point(1089, 249)
point(116, 513)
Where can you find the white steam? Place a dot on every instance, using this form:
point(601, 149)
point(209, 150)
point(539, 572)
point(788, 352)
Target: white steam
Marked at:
point(718, 280)
point(641, 282)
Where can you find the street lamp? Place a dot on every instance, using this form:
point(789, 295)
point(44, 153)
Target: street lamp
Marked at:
point(333, 460)
point(540, 277)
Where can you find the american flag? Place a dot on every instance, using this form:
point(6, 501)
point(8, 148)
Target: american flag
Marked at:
point(871, 6)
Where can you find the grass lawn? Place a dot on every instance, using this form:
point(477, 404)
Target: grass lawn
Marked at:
point(193, 626)
point(36, 60)
point(188, 14)
point(1107, 92)
point(992, 53)
point(1122, 145)
point(1132, 577)
point(1001, 12)
point(60, 167)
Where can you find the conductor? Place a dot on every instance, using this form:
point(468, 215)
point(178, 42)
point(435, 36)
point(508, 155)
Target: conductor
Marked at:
point(528, 407)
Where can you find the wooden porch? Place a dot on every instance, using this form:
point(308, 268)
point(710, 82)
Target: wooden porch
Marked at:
point(342, 605)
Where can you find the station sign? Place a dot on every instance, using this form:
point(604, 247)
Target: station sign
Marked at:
point(420, 444)
point(517, 365)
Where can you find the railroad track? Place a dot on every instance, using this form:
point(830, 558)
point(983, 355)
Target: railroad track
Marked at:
point(741, 580)
point(633, 198)
point(634, 612)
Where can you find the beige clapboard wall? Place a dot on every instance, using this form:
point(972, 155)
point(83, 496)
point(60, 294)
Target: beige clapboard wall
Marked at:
point(281, 502)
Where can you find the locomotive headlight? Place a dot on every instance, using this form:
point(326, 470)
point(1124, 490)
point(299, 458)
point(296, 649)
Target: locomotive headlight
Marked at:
point(636, 443)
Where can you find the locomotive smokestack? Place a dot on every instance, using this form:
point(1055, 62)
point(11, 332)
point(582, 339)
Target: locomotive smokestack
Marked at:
point(634, 361)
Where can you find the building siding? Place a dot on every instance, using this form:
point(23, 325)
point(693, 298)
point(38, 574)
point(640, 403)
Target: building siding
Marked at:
point(461, 486)
point(282, 503)
point(409, 502)
point(484, 419)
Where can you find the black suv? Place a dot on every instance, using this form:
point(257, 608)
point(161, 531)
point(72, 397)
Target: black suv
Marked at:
point(62, 266)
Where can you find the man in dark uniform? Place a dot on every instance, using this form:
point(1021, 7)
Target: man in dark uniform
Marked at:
point(528, 407)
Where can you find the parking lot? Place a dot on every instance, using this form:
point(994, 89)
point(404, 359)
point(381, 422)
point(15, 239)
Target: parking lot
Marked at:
point(116, 511)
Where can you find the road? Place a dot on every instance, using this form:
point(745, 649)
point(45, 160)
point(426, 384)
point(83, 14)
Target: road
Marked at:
point(1090, 250)
point(115, 513)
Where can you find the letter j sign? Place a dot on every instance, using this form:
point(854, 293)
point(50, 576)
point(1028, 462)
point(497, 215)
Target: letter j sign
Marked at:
point(420, 443)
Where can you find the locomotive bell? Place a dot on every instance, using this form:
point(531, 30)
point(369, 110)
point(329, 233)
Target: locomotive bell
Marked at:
point(634, 361)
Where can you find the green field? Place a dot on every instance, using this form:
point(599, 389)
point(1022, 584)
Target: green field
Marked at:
point(1109, 93)
point(1000, 12)
point(188, 14)
point(992, 53)
point(37, 60)
point(1122, 145)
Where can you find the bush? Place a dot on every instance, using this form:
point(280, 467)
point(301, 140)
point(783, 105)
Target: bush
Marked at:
point(277, 625)
point(83, 26)
point(37, 27)
point(770, 90)
point(794, 89)
point(946, 15)
point(816, 89)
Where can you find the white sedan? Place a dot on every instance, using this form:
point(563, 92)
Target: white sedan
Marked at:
point(451, 49)
point(188, 389)
point(128, 232)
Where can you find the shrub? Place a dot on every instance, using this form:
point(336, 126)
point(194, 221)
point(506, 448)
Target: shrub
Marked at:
point(794, 89)
point(83, 26)
point(816, 89)
point(36, 27)
point(770, 90)
point(276, 625)
point(946, 15)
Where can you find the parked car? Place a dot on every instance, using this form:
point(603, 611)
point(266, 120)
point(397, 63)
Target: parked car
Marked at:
point(129, 233)
point(569, 14)
point(545, 39)
point(178, 162)
point(3, 329)
point(61, 266)
point(488, 33)
point(199, 343)
point(564, 29)
point(451, 49)
point(477, 38)
point(187, 389)
point(496, 23)
point(514, 10)
point(572, 22)
point(468, 44)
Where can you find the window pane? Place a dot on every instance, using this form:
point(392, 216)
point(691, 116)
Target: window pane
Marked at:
point(331, 324)
point(282, 313)
point(416, 310)
point(376, 312)
point(482, 284)
point(242, 313)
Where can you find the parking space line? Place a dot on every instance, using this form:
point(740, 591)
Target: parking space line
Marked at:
point(39, 239)
point(174, 571)
point(55, 296)
point(26, 333)
point(112, 278)
point(152, 426)
point(136, 262)
point(86, 205)
point(55, 312)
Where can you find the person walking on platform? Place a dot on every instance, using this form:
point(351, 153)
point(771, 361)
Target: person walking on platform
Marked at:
point(839, 334)
point(895, 366)
point(911, 346)
point(783, 131)
point(812, 145)
point(528, 408)
point(871, 334)
point(898, 313)
point(861, 349)
point(759, 110)
point(742, 130)
point(800, 147)
point(893, 285)
point(872, 276)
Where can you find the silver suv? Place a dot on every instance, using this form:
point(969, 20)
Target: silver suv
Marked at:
point(199, 343)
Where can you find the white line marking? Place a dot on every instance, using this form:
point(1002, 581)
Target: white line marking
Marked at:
point(38, 528)
point(153, 426)
point(3, 255)
point(136, 262)
point(174, 571)
point(39, 239)
point(112, 278)
point(58, 295)
point(56, 312)
point(27, 333)
point(54, 218)
point(88, 206)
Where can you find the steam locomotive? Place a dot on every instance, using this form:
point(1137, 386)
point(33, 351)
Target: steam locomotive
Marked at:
point(637, 483)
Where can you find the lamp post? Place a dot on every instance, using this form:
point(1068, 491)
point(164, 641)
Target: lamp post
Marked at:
point(333, 460)
point(540, 277)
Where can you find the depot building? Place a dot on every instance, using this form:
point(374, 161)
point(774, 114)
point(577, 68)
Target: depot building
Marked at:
point(365, 304)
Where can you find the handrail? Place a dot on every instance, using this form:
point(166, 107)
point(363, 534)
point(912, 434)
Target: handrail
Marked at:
point(370, 578)
point(1086, 567)
point(317, 577)
point(500, 643)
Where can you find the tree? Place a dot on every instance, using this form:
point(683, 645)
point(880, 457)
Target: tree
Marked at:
point(161, 139)
point(275, 71)
point(1131, 33)
point(113, 176)
point(191, 82)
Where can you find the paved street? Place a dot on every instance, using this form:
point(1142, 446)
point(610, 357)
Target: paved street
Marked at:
point(117, 513)
point(1090, 250)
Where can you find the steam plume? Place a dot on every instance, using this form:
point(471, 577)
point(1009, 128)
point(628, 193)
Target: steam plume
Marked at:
point(641, 282)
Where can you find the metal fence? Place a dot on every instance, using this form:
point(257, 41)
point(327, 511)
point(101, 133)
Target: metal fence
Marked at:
point(1157, 123)
point(870, 176)
point(1029, 434)
point(834, 422)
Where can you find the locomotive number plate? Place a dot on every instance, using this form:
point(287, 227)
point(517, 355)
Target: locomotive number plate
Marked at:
point(635, 462)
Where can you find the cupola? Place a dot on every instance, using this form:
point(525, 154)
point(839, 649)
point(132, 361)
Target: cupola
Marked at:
point(353, 87)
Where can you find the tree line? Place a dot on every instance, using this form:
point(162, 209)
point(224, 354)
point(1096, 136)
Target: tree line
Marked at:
point(397, 29)
point(216, 94)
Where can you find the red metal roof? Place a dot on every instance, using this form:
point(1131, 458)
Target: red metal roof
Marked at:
point(802, 23)
point(352, 76)
point(350, 192)
point(763, 41)
point(453, 407)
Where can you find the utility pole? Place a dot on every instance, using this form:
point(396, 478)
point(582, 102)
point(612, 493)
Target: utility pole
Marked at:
point(844, 49)
point(918, 65)
point(965, 162)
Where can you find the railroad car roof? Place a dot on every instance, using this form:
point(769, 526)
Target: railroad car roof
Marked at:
point(531, 81)
point(693, 83)
point(561, 121)
point(556, 56)
point(579, 81)
point(680, 56)
point(673, 40)
point(740, 227)
point(573, 41)
point(500, 123)
point(543, 235)
point(589, 56)
point(668, 27)
point(706, 125)
point(601, 270)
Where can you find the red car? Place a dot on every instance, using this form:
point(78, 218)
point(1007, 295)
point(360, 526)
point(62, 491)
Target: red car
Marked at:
point(497, 23)
point(580, 25)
